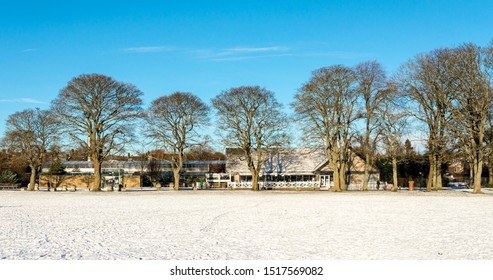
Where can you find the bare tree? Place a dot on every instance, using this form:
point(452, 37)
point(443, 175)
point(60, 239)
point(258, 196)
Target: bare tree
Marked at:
point(31, 133)
point(253, 122)
point(97, 112)
point(78, 153)
point(489, 146)
point(325, 106)
point(393, 122)
point(471, 103)
point(425, 80)
point(371, 84)
point(174, 121)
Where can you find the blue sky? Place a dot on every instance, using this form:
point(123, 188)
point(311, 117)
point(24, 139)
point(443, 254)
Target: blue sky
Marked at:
point(208, 46)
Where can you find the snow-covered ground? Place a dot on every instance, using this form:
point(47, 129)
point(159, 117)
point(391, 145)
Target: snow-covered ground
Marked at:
point(246, 225)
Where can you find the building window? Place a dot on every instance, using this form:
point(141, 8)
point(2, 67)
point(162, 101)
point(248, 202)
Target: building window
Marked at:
point(245, 178)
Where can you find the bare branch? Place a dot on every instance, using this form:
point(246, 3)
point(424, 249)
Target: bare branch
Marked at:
point(101, 110)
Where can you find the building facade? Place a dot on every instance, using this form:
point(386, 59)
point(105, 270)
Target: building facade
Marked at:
point(283, 169)
point(129, 174)
point(296, 168)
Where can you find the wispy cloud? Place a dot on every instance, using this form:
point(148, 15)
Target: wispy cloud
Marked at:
point(22, 100)
point(250, 53)
point(28, 50)
point(241, 53)
point(149, 49)
point(256, 50)
point(238, 58)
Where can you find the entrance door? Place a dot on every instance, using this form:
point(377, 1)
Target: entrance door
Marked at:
point(324, 181)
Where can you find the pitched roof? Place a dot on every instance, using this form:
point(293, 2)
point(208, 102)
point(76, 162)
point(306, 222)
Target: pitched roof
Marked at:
point(289, 161)
point(279, 161)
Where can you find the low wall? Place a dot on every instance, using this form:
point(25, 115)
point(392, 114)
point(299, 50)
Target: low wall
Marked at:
point(78, 181)
point(132, 181)
point(83, 181)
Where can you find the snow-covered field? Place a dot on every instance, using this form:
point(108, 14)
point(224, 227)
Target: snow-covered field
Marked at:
point(228, 225)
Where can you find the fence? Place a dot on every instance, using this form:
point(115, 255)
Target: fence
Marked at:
point(299, 185)
point(10, 186)
point(276, 185)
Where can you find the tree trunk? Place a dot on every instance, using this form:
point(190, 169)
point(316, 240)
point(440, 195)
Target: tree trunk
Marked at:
point(438, 174)
point(32, 179)
point(255, 185)
point(176, 167)
point(434, 179)
point(176, 179)
point(337, 181)
point(478, 168)
point(479, 156)
point(394, 173)
point(431, 174)
point(342, 177)
point(97, 174)
point(366, 177)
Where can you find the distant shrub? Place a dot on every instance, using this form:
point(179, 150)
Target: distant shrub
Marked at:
point(57, 168)
point(8, 177)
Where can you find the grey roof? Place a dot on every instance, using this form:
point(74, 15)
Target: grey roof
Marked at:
point(281, 161)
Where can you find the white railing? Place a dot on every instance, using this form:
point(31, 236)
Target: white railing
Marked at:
point(275, 185)
point(296, 185)
point(291, 185)
point(240, 185)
